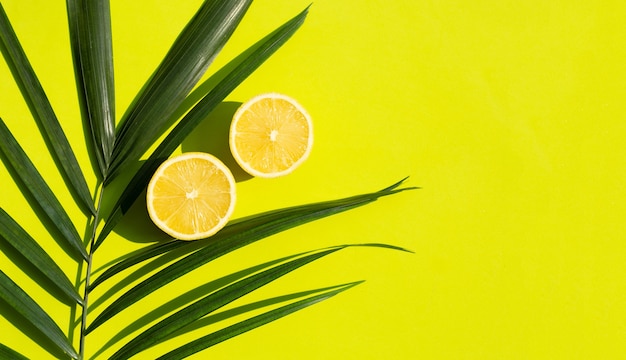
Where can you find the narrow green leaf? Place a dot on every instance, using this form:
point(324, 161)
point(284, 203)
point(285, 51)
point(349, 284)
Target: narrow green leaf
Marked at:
point(285, 215)
point(144, 254)
point(253, 306)
point(181, 69)
point(161, 330)
point(92, 50)
point(22, 242)
point(38, 189)
point(8, 353)
point(190, 296)
point(225, 241)
point(250, 324)
point(24, 305)
point(42, 112)
point(227, 79)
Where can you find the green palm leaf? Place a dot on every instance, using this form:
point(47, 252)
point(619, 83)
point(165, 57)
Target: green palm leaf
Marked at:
point(287, 217)
point(90, 35)
point(39, 190)
point(227, 79)
point(164, 328)
point(164, 98)
point(227, 241)
point(42, 112)
point(183, 66)
point(251, 323)
point(8, 353)
point(254, 306)
point(140, 256)
point(194, 294)
point(19, 239)
point(24, 305)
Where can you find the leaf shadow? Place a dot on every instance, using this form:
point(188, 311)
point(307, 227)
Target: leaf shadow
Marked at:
point(136, 225)
point(211, 136)
point(30, 330)
point(185, 299)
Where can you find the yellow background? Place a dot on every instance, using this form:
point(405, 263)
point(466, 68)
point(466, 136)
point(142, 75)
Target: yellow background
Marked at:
point(508, 114)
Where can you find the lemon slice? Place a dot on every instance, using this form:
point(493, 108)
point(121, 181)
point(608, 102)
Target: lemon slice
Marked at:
point(270, 135)
point(191, 196)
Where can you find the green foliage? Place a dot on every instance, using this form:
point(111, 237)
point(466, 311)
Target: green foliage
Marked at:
point(119, 149)
point(42, 111)
point(32, 313)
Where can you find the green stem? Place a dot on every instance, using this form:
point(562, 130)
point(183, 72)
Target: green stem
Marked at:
point(83, 321)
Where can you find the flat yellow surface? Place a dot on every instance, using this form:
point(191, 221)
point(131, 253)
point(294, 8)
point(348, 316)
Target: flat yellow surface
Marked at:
point(508, 114)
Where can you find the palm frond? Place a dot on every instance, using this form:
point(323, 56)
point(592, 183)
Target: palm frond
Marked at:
point(252, 323)
point(23, 243)
point(43, 113)
point(92, 50)
point(241, 310)
point(228, 240)
point(31, 312)
point(8, 353)
point(226, 80)
point(192, 295)
point(165, 101)
point(164, 328)
point(270, 222)
point(183, 66)
point(140, 256)
point(39, 190)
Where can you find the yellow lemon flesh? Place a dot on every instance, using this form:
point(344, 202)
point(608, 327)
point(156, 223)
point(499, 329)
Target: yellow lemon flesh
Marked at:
point(270, 135)
point(191, 196)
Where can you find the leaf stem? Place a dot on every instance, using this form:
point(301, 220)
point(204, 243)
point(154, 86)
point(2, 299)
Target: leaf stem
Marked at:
point(83, 321)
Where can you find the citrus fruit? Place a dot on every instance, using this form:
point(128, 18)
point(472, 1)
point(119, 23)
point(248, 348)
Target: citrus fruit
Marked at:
point(191, 196)
point(270, 135)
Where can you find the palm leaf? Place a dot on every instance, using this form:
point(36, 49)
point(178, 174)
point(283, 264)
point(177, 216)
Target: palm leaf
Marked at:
point(251, 324)
point(90, 35)
point(139, 256)
point(224, 242)
point(194, 294)
point(286, 217)
point(164, 328)
point(24, 305)
point(19, 239)
point(227, 79)
point(161, 102)
point(183, 66)
point(39, 190)
point(254, 306)
point(42, 112)
point(8, 353)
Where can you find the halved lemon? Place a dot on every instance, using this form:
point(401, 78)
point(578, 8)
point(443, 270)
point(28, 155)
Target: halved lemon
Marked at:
point(191, 196)
point(270, 135)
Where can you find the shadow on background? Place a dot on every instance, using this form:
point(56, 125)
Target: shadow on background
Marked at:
point(136, 225)
point(211, 136)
